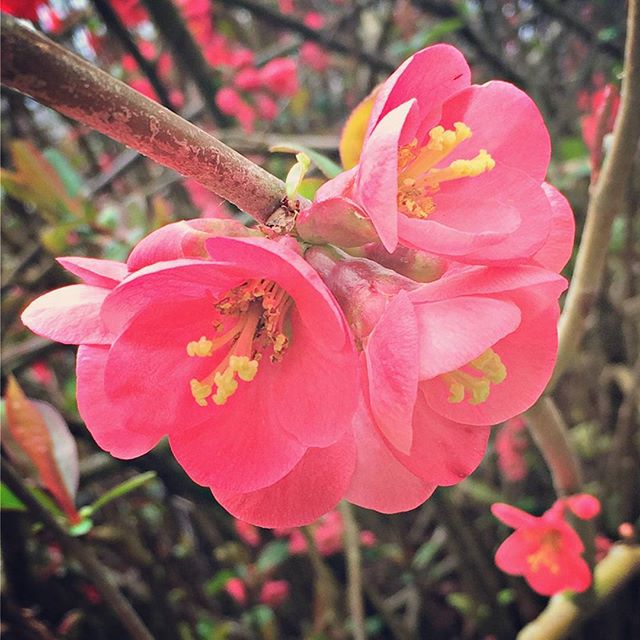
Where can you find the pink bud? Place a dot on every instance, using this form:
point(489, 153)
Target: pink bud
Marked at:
point(314, 56)
point(274, 592)
point(266, 107)
point(236, 589)
point(248, 79)
point(583, 505)
point(280, 76)
point(314, 20)
point(247, 532)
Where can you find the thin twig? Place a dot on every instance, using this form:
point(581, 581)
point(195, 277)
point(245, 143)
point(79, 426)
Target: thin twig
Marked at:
point(81, 553)
point(354, 570)
point(38, 67)
point(605, 203)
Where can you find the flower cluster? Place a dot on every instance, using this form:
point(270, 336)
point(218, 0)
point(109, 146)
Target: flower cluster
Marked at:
point(546, 550)
point(364, 356)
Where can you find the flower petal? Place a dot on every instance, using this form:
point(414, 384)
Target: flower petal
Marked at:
point(380, 480)
point(392, 367)
point(312, 488)
point(99, 273)
point(70, 315)
point(512, 516)
point(100, 414)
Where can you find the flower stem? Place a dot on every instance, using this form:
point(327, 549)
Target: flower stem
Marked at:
point(36, 66)
point(605, 203)
point(354, 570)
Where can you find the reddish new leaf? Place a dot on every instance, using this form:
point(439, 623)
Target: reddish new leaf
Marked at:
point(28, 428)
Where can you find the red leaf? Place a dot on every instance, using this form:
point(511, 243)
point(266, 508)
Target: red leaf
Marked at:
point(29, 430)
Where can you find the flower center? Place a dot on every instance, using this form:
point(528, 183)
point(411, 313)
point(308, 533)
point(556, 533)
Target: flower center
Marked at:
point(258, 309)
point(546, 555)
point(475, 388)
point(419, 179)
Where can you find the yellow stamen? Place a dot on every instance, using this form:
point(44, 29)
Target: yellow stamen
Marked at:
point(200, 391)
point(226, 386)
point(245, 368)
point(461, 383)
point(461, 169)
point(546, 555)
point(200, 348)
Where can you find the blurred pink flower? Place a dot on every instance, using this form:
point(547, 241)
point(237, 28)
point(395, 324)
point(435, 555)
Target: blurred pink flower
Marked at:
point(601, 111)
point(247, 532)
point(236, 589)
point(274, 592)
point(231, 103)
point(511, 443)
point(546, 550)
point(27, 9)
point(280, 76)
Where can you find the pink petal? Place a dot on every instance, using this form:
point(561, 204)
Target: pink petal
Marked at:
point(70, 315)
point(556, 251)
point(377, 181)
point(453, 332)
point(99, 273)
point(100, 414)
point(520, 140)
point(392, 366)
point(443, 452)
point(380, 481)
point(511, 556)
point(572, 573)
point(528, 354)
point(430, 76)
point(312, 488)
point(302, 382)
point(174, 282)
point(512, 516)
point(583, 505)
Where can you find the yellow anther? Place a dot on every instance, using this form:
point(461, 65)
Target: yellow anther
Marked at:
point(456, 389)
point(201, 348)
point(200, 391)
point(462, 169)
point(226, 386)
point(280, 342)
point(441, 139)
point(490, 364)
point(245, 368)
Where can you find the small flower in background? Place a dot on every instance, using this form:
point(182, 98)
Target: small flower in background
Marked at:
point(42, 373)
point(274, 592)
point(328, 534)
point(601, 109)
point(236, 589)
point(280, 76)
point(247, 532)
point(546, 550)
point(511, 443)
point(27, 9)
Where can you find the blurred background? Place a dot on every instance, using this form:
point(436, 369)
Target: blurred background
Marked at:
point(259, 74)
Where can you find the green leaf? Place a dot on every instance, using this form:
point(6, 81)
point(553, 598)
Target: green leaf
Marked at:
point(326, 165)
point(8, 502)
point(70, 178)
point(216, 584)
point(427, 552)
point(272, 555)
point(118, 491)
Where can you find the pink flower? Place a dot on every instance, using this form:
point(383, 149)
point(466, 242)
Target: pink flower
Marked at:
point(440, 362)
point(511, 442)
point(230, 103)
point(228, 345)
point(247, 532)
point(602, 108)
point(248, 79)
point(27, 9)
point(131, 12)
point(236, 589)
point(266, 107)
point(280, 76)
point(546, 550)
point(314, 56)
point(451, 168)
point(274, 592)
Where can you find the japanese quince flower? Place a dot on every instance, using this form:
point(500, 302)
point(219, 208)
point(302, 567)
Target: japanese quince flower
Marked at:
point(546, 550)
point(232, 347)
point(440, 362)
point(445, 166)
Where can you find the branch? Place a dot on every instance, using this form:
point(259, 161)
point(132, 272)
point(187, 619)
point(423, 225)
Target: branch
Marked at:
point(283, 21)
point(562, 615)
point(34, 65)
point(81, 553)
point(354, 570)
point(605, 203)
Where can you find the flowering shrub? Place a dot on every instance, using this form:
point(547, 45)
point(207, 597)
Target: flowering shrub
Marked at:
point(289, 376)
point(546, 550)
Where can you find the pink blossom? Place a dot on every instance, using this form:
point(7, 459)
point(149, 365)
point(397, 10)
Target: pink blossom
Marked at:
point(440, 363)
point(266, 107)
point(314, 56)
point(247, 532)
point(280, 76)
point(196, 338)
point(511, 442)
point(236, 589)
point(546, 550)
point(27, 9)
point(248, 79)
point(602, 108)
point(274, 592)
point(231, 103)
point(443, 171)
